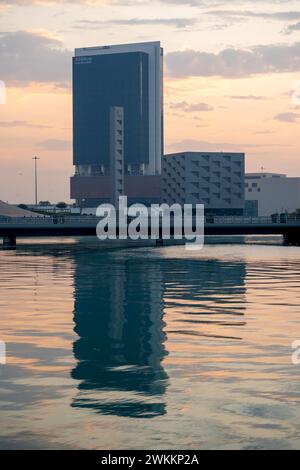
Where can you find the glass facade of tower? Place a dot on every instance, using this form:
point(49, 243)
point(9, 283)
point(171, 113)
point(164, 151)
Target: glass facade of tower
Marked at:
point(103, 81)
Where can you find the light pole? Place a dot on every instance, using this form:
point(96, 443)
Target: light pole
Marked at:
point(82, 201)
point(36, 178)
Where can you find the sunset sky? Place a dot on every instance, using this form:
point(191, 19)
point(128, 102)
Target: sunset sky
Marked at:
point(232, 80)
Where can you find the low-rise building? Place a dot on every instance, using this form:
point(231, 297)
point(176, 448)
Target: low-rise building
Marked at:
point(271, 193)
point(215, 179)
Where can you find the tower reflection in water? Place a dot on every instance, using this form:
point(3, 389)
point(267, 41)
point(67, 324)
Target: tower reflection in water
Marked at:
point(120, 299)
point(118, 318)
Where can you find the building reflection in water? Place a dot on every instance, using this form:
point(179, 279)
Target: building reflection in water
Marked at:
point(205, 292)
point(118, 317)
point(120, 299)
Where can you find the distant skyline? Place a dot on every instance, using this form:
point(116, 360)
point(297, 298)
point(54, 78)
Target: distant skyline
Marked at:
point(231, 69)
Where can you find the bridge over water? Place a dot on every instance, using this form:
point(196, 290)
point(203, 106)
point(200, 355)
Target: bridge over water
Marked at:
point(81, 226)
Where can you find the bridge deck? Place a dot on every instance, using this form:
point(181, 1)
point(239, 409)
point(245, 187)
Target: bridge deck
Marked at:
point(86, 226)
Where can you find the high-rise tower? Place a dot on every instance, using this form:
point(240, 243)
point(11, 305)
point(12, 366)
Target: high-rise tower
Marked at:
point(129, 77)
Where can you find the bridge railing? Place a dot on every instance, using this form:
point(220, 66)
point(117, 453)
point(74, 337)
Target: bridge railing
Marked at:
point(240, 220)
point(55, 220)
point(224, 220)
point(92, 220)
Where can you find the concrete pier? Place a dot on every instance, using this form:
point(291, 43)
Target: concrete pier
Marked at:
point(9, 242)
point(292, 239)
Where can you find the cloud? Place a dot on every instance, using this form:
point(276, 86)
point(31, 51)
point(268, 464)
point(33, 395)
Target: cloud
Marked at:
point(263, 132)
point(247, 97)
point(292, 28)
point(287, 117)
point(55, 145)
point(203, 146)
point(176, 22)
point(240, 14)
point(12, 124)
point(191, 107)
point(54, 2)
point(219, 3)
point(31, 57)
point(193, 3)
point(235, 63)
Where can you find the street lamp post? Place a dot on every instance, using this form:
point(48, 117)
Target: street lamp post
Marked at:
point(36, 179)
point(82, 201)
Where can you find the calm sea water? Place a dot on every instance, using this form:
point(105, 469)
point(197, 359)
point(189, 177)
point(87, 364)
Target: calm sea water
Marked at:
point(149, 348)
